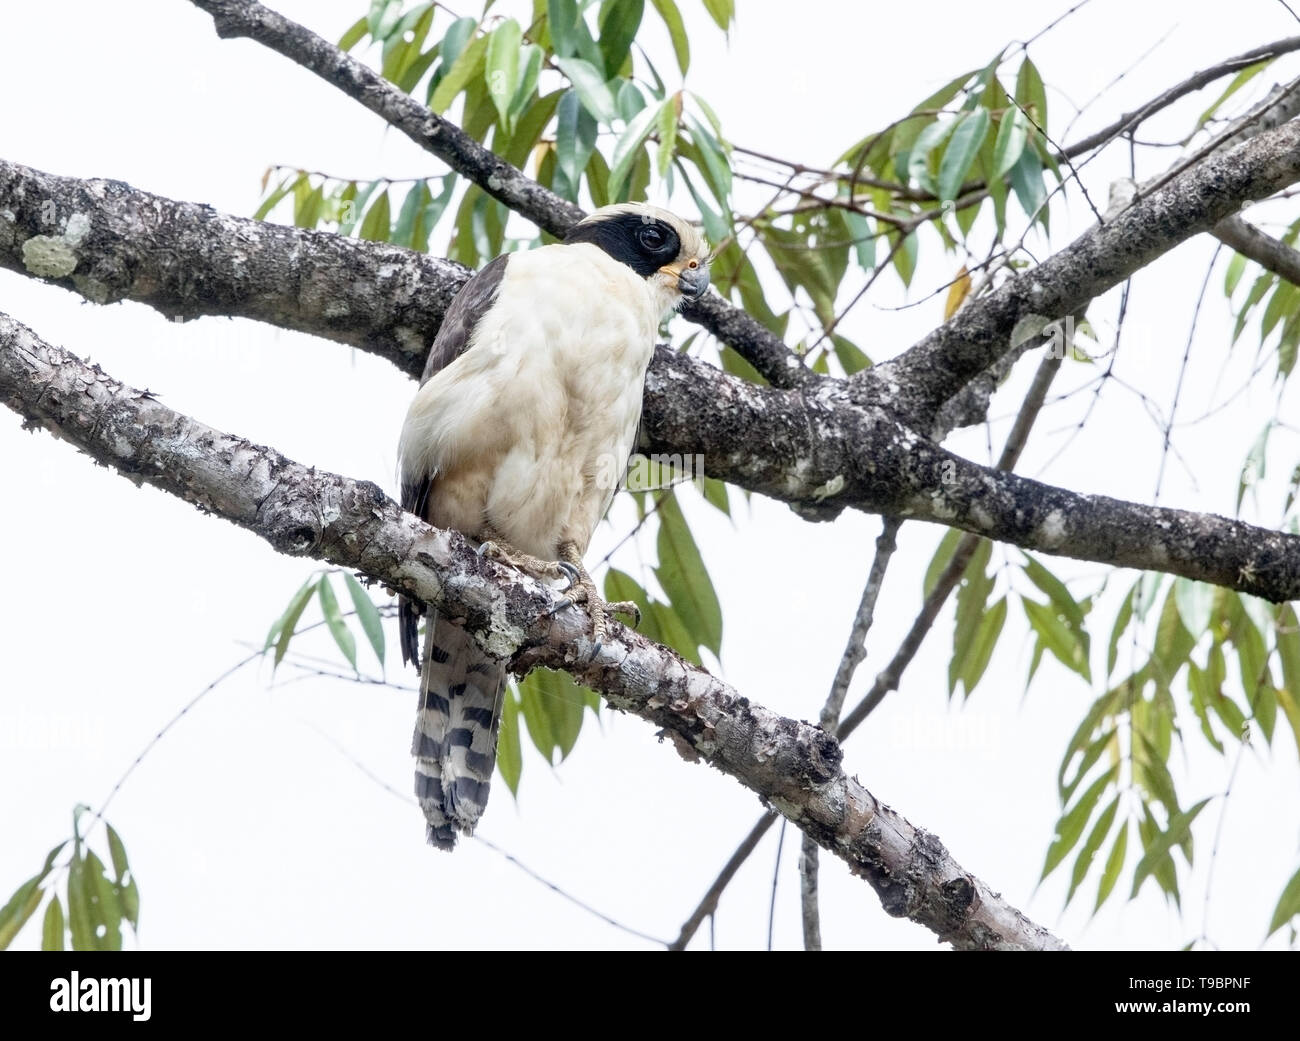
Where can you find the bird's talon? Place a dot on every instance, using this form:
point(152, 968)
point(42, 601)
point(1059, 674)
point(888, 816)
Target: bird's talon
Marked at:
point(595, 650)
point(559, 606)
point(570, 573)
point(485, 548)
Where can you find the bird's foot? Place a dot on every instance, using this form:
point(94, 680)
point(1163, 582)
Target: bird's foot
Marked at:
point(584, 592)
point(553, 570)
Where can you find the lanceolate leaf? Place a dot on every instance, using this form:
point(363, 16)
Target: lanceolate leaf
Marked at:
point(368, 615)
point(334, 621)
point(289, 620)
point(963, 147)
point(685, 579)
point(672, 16)
point(510, 761)
point(501, 67)
point(1158, 850)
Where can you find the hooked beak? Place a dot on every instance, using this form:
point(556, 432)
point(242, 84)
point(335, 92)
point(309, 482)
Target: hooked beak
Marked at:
point(692, 282)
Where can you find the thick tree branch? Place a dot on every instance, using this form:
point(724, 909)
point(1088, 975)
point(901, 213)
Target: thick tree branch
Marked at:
point(922, 379)
point(108, 242)
point(1269, 253)
point(245, 18)
point(819, 449)
point(304, 512)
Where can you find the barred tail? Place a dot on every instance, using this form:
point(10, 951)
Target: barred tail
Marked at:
point(455, 744)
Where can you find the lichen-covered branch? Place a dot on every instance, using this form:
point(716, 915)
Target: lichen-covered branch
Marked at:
point(792, 765)
point(918, 382)
point(108, 242)
point(818, 448)
point(246, 18)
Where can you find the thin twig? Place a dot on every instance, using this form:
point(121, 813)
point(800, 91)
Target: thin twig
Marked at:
point(709, 903)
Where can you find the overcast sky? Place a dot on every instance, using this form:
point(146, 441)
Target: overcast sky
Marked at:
point(250, 824)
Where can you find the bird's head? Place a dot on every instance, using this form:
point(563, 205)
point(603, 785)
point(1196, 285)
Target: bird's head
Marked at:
point(658, 245)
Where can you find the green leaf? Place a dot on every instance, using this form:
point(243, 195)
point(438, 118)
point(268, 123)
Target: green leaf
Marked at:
point(466, 68)
point(723, 12)
point(272, 200)
point(378, 220)
point(963, 147)
point(1195, 602)
point(1031, 94)
point(1238, 81)
point(80, 920)
point(537, 719)
point(21, 906)
point(927, 144)
point(1096, 837)
point(561, 701)
point(1288, 905)
point(1114, 865)
point(532, 69)
point(562, 16)
point(1072, 822)
point(1058, 637)
point(510, 758)
point(52, 927)
point(1236, 268)
point(1027, 182)
point(287, 623)
point(116, 852)
point(672, 16)
point(667, 124)
point(1056, 591)
point(619, 21)
point(905, 258)
point(1010, 143)
point(351, 38)
point(411, 230)
point(501, 66)
point(1122, 620)
point(972, 595)
point(130, 895)
point(981, 647)
point(717, 168)
point(850, 356)
point(591, 87)
point(939, 562)
point(1158, 850)
point(629, 146)
point(334, 620)
point(685, 579)
point(105, 904)
point(575, 139)
point(367, 614)
point(307, 207)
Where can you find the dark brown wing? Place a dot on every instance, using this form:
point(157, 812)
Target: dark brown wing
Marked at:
point(469, 305)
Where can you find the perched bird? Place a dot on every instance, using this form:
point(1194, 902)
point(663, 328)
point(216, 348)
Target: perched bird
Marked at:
point(518, 437)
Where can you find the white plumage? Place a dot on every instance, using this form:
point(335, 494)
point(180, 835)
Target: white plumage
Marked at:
point(520, 435)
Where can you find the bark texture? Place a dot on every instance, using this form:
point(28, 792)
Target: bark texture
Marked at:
point(791, 765)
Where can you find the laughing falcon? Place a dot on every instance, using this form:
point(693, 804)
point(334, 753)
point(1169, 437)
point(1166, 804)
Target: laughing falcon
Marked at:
point(518, 436)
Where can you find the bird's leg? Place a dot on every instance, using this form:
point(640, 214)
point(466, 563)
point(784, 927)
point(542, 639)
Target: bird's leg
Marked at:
point(584, 591)
point(494, 547)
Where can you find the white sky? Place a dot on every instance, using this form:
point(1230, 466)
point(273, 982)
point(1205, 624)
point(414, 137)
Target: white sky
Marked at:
point(246, 825)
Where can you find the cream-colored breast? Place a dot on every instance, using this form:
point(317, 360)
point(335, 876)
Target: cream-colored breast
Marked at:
point(530, 429)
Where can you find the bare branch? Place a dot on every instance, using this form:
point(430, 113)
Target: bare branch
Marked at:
point(556, 215)
point(1131, 120)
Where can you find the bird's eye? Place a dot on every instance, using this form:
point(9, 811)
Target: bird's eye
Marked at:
point(650, 237)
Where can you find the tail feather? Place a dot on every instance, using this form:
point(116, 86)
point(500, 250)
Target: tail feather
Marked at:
point(456, 726)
